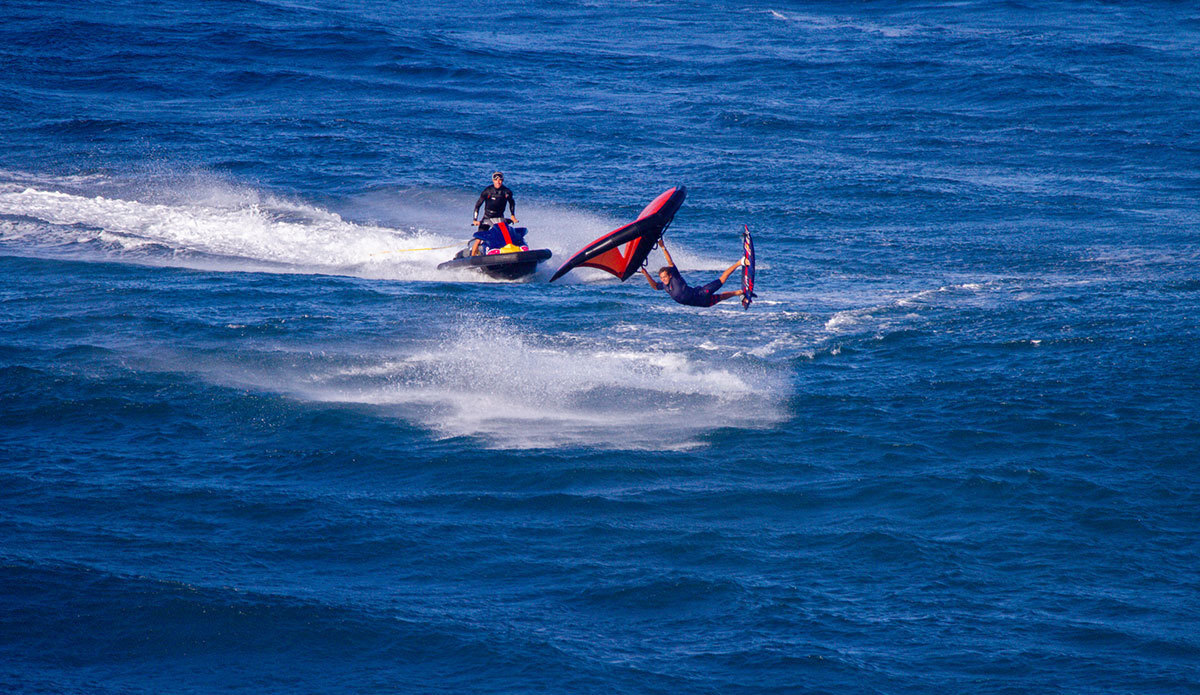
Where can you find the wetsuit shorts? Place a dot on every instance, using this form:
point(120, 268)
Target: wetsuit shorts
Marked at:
point(704, 295)
point(709, 292)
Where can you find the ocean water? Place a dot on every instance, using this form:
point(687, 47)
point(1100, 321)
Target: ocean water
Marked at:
point(252, 441)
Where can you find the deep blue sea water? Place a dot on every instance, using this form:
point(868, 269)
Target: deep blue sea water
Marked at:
point(250, 442)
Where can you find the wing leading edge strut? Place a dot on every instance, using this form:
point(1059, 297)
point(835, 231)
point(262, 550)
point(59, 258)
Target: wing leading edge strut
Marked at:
point(624, 250)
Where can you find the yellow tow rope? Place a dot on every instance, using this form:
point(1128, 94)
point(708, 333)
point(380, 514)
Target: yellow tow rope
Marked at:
point(431, 248)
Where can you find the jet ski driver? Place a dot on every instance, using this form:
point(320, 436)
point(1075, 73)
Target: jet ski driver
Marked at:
point(493, 199)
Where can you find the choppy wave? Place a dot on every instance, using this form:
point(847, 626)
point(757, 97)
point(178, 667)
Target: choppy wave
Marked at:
point(906, 310)
point(951, 447)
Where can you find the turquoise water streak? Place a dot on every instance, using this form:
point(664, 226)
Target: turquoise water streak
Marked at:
point(251, 441)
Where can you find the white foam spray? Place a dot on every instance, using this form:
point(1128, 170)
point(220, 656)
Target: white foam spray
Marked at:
point(212, 225)
point(511, 388)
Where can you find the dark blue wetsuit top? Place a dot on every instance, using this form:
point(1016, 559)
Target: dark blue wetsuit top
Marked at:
point(691, 296)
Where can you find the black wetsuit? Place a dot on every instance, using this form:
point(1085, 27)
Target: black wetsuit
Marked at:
point(494, 199)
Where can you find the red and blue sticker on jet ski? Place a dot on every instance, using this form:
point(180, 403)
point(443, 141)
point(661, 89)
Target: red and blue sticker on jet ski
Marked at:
point(624, 251)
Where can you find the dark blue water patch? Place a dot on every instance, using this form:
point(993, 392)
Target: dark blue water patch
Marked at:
point(952, 443)
point(1184, 286)
point(82, 127)
point(192, 627)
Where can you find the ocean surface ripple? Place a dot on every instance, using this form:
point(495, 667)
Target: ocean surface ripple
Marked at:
point(251, 440)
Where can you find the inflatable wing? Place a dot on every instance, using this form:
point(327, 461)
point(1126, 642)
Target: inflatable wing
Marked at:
point(622, 251)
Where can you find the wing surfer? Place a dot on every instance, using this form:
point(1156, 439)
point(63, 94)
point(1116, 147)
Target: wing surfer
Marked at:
point(679, 290)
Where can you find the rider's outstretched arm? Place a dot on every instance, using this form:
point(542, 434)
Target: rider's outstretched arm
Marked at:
point(662, 243)
point(649, 279)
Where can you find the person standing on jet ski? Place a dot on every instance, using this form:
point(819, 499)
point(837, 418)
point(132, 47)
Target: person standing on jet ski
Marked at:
point(493, 199)
point(681, 292)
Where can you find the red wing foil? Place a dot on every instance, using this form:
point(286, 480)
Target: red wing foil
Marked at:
point(622, 251)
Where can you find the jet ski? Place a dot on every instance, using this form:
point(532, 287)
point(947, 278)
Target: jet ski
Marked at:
point(502, 253)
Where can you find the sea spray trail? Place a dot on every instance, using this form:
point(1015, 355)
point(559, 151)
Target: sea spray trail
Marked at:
point(560, 390)
point(251, 443)
point(267, 233)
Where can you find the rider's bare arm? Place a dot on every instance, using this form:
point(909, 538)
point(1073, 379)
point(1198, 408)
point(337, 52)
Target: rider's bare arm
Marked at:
point(663, 245)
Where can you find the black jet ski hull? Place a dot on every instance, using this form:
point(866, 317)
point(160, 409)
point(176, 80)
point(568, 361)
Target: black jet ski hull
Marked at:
point(502, 266)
